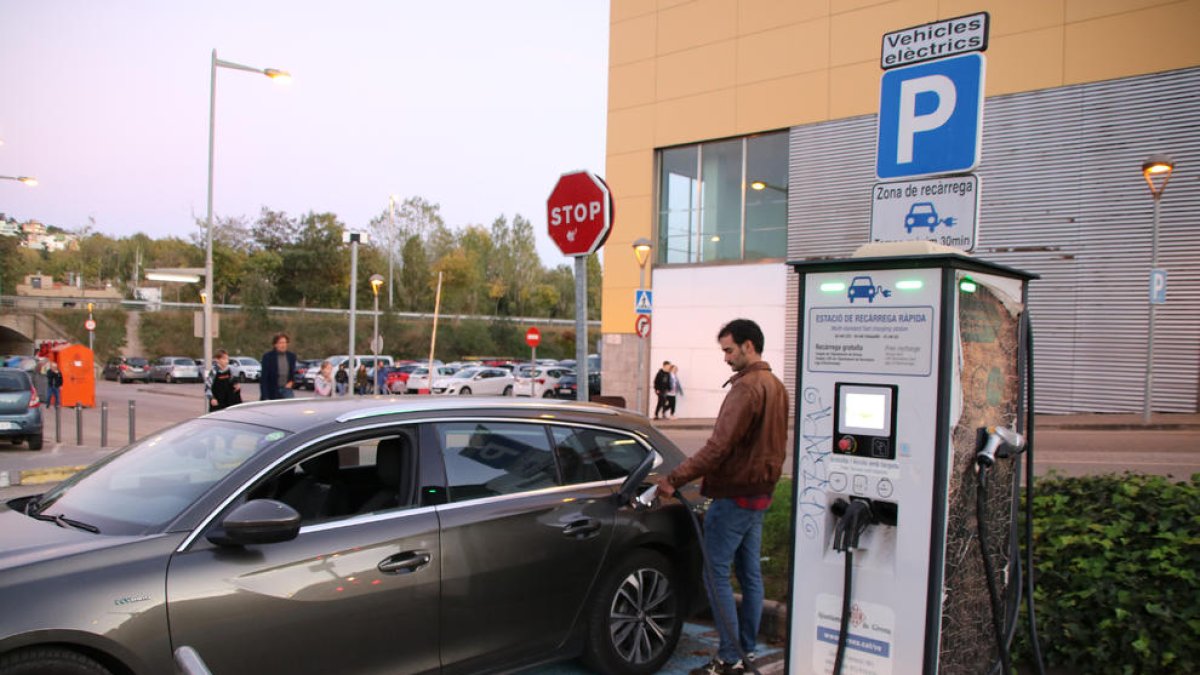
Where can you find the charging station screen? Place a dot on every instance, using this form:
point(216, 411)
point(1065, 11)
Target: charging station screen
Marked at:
point(865, 410)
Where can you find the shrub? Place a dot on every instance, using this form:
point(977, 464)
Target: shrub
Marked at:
point(1117, 559)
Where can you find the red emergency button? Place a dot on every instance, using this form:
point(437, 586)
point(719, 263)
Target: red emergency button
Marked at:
point(846, 444)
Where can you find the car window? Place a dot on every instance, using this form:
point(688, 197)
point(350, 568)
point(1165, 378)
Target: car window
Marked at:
point(151, 482)
point(362, 476)
point(185, 362)
point(10, 382)
point(486, 459)
point(608, 454)
point(136, 362)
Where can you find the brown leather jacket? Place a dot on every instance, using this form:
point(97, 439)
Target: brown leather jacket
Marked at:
point(744, 456)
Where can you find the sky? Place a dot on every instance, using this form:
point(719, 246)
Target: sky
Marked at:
point(476, 105)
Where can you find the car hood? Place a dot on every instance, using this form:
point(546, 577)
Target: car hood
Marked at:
point(25, 540)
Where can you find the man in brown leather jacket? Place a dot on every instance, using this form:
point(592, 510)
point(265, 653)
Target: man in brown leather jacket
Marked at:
point(739, 464)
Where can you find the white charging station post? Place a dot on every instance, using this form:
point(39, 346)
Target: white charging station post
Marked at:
point(900, 361)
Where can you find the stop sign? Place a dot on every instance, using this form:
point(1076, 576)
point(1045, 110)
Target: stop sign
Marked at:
point(533, 337)
point(579, 213)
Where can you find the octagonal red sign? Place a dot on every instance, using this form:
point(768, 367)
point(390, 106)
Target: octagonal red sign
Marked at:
point(579, 213)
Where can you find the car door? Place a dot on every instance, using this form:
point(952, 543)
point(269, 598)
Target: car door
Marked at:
point(357, 591)
point(521, 550)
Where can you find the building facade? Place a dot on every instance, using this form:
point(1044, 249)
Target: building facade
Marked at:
point(742, 135)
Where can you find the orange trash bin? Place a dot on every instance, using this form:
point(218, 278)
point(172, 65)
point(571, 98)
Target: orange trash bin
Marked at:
point(79, 375)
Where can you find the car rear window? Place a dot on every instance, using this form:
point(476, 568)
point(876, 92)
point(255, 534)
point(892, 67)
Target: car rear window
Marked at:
point(184, 362)
point(10, 382)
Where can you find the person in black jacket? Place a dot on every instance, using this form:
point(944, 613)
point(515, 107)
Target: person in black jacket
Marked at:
point(662, 384)
point(278, 371)
point(220, 388)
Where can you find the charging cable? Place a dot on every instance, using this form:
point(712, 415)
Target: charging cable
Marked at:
point(998, 442)
point(852, 520)
point(646, 500)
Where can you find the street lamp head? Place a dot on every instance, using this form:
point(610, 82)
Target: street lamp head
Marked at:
point(758, 185)
point(376, 282)
point(279, 76)
point(1157, 171)
point(641, 249)
point(203, 298)
point(28, 180)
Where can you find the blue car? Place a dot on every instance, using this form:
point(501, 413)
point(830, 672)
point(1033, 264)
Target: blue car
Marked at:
point(20, 408)
point(862, 287)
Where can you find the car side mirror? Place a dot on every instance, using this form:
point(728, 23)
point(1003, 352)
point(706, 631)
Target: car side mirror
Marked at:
point(259, 521)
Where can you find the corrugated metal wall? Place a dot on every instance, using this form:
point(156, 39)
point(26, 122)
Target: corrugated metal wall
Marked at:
point(1062, 196)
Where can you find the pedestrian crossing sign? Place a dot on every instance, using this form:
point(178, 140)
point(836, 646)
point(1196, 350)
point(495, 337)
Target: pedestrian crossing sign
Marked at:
point(643, 301)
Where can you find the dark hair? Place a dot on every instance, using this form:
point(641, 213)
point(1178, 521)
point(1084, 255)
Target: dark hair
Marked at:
point(742, 330)
point(666, 363)
point(219, 353)
point(275, 340)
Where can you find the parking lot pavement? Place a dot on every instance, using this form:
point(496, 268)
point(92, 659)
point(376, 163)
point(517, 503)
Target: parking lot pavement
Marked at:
point(696, 646)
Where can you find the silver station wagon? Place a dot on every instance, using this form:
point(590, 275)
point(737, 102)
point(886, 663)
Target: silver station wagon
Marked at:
point(364, 535)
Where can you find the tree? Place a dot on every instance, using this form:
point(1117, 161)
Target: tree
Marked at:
point(315, 264)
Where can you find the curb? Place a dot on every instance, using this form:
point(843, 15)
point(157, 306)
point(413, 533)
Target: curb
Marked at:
point(53, 474)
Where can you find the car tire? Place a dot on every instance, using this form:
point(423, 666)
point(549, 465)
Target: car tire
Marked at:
point(637, 607)
point(170, 379)
point(465, 391)
point(549, 393)
point(35, 442)
point(508, 391)
point(241, 377)
point(42, 660)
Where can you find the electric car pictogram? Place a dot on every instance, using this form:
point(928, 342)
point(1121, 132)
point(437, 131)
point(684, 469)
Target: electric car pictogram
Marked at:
point(923, 214)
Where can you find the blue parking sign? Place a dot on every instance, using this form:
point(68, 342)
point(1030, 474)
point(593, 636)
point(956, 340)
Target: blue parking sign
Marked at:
point(931, 118)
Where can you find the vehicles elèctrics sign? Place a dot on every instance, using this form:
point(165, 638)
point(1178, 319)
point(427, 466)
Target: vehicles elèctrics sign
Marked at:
point(935, 40)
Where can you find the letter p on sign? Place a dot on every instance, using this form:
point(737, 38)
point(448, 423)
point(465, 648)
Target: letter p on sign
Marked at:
point(931, 118)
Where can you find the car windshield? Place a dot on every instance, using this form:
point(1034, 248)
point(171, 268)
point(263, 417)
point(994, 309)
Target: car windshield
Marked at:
point(185, 362)
point(252, 362)
point(136, 362)
point(150, 483)
point(10, 382)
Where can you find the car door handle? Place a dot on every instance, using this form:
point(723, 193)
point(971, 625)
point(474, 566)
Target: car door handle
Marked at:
point(405, 563)
point(582, 528)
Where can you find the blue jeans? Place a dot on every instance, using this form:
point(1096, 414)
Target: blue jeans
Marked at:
point(733, 537)
point(284, 392)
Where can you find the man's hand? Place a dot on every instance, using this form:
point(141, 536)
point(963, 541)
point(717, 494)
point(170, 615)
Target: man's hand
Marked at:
point(216, 402)
point(665, 488)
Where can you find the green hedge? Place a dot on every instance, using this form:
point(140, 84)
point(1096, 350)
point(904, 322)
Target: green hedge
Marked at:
point(1117, 560)
point(109, 335)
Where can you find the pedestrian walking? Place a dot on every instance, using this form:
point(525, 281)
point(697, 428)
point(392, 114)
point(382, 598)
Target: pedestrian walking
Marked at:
point(674, 391)
point(278, 371)
point(323, 383)
point(221, 388)
point(54, 381)
point(740, 464)
point(662, 382)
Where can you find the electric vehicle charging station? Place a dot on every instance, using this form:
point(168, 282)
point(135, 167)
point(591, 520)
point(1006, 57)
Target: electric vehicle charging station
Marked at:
point(902, 362)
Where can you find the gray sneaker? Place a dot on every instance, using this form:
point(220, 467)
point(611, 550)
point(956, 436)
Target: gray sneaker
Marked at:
point(718, 667)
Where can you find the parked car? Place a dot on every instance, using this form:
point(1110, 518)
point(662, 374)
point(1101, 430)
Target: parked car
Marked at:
point(127, 369)
point(247, 368)
point(20, 410)
point(396, 381)
point(418, 379)
point(482, 380)
point(175, 369)
point(568, 386)
point(540, 382)
point(399, 533)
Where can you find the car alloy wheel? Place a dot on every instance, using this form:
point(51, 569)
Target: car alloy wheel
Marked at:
point(508, 390)
point(635, 621)
point(465, 391)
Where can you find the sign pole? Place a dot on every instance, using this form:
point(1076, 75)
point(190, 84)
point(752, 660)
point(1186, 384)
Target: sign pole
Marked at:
point(581, 343)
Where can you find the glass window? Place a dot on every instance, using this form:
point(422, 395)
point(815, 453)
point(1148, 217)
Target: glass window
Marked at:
point(724, 200)
point(596, 452)
point(679, 187)
point(766, 196)
point(485, 459)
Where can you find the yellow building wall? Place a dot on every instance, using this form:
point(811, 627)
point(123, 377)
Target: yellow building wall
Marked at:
point(683, 71)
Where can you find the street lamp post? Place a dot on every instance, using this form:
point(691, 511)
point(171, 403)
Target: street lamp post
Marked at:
point(1157, 171)
point(391, 246)
point(376, 282)
point(641, 249)
point(277, 75)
